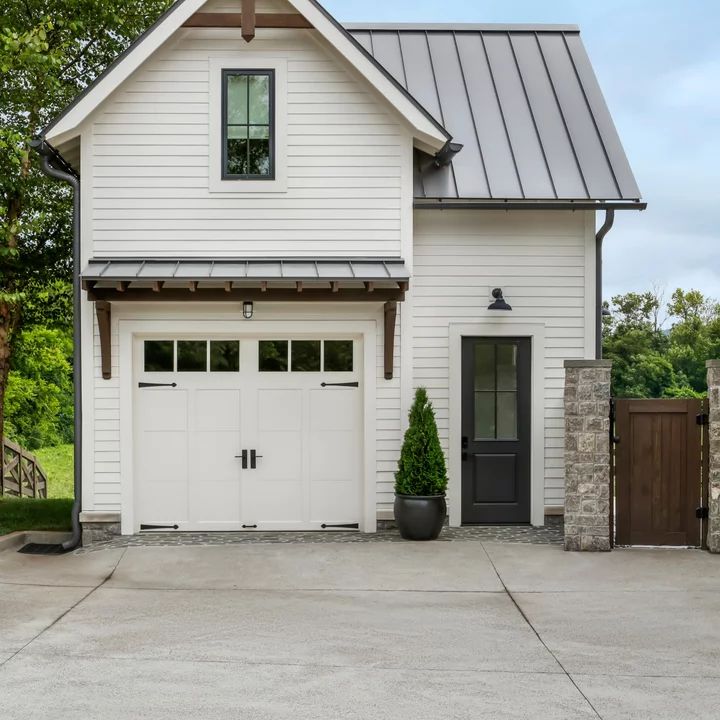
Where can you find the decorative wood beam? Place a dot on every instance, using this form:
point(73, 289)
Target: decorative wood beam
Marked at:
point(193, 285)
point(370, 286)
point(293, 21)
point(299, 286)
point(122, 285)
point(334, 286)
point(157, 285)
point(263, 286)
point(102, 311)
point(247, 20)
point(218, 294)
point(389, 339)
point(228, 286)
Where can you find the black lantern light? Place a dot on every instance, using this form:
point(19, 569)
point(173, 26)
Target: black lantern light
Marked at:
point(499, 303)
point(247, 309)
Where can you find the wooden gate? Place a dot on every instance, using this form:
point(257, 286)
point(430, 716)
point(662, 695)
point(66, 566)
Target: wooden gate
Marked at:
point(660, 472)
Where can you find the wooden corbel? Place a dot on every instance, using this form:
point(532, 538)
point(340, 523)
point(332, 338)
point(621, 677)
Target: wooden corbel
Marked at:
point(102, 311)
point(390, 317)
point(247, 9)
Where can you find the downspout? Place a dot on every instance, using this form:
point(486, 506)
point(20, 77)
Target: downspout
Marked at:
point(48, 156)
point(601, 233)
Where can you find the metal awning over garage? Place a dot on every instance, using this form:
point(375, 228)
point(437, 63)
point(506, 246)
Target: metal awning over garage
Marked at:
point(330, 279)
point(109, 280)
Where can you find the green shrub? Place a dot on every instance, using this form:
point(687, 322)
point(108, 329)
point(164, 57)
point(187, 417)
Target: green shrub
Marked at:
point(421, 468)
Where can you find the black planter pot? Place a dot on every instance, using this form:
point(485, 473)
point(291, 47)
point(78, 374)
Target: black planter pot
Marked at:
point(420, 517)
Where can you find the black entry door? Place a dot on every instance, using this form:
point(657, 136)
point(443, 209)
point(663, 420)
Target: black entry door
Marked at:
point(496, 430)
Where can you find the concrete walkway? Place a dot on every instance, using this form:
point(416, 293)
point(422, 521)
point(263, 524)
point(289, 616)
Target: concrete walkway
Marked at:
point(377, 630)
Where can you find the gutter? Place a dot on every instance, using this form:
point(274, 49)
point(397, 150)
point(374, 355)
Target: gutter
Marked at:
point(601, 233)
point(450, 204)
point(53, 165)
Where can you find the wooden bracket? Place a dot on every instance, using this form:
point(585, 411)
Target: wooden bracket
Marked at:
point(390, 318)
point(102, 310)
point(247, 8)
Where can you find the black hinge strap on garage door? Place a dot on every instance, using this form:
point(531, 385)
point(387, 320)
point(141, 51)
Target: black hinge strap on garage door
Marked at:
point(147, 384)
point(159, 527)
point(347, 526)
point(346, 384)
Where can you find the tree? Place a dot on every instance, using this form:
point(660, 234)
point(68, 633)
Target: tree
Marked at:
point(421, 468)
point(48, 54)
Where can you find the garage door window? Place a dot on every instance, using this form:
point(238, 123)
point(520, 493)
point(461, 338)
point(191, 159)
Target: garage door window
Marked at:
point(305, 356)
point(191, 355)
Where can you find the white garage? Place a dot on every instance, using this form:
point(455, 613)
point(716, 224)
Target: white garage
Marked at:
point(247, 433)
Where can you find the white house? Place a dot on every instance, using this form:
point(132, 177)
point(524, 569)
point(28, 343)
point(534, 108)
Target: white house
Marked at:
point(286, 225)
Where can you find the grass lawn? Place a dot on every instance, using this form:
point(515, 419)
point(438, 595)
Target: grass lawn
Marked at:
point(50, 514)
point(34, 514)
point(58, 464)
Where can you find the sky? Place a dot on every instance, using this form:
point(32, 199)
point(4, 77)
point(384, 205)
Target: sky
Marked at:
point(658, 64)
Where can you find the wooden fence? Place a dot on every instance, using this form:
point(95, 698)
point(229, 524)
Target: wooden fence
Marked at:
point(22, 475)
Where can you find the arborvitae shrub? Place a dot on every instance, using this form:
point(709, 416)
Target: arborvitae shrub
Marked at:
point(421, 468)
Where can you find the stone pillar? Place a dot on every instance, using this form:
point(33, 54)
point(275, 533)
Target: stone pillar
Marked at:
point(587, 454)
point(713, 381)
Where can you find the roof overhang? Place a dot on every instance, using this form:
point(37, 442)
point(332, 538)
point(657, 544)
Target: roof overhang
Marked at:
point(233, 279)
point(428, 131)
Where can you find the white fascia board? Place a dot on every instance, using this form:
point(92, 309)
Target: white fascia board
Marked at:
point(69, 123)
point(426, 130)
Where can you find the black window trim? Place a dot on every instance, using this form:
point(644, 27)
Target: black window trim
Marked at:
point(227, 72)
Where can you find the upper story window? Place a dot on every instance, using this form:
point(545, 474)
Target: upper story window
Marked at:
point(248, 125)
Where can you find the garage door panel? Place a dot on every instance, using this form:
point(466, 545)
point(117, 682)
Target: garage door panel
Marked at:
point(216, 410)
point(334, 503)
point(334, 409)
point(162, 470)
point(281, 501)
point(162, 409)
point(333, 457)
point(281, 457)
point(280, 409)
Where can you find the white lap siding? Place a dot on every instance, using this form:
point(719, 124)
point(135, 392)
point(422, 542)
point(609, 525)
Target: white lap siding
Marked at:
point(544, 263)
point(150, 193)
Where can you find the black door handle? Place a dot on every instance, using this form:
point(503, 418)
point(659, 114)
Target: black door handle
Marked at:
point(243, 456)
point(464, 442)
point(253, 458)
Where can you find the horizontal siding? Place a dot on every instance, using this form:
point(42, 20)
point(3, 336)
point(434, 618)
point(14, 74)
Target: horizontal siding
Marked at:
point(150, 160)
point(539, 261)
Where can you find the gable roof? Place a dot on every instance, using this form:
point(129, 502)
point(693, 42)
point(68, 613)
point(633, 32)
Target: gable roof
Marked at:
point(522, 99)
point(428, 130)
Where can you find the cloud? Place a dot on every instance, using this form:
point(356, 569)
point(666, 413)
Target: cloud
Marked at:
point(692, 88)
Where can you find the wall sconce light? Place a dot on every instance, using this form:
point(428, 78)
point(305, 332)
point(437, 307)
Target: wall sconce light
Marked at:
point(247, 309)
point(499, 303)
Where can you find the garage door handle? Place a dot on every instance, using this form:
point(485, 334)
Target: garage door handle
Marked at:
point(347, 384)
point(147, 384)
point(243, 456)
point(253, 458)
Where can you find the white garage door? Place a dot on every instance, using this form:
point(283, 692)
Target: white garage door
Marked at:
point(254, 434)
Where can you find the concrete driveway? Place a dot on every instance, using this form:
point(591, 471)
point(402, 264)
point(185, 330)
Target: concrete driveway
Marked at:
point(377, 630)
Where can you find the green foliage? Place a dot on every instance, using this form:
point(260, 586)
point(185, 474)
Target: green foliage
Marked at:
point(57, 462)
point(651, 361)
point(38, 400)
point(421, 468)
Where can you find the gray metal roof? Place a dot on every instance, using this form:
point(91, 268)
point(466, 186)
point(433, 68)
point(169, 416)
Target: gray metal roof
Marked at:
point(523, 100)
point(389, 270)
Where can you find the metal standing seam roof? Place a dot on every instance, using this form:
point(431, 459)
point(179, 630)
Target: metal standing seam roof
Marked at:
point(390, 270)
point(522, 99)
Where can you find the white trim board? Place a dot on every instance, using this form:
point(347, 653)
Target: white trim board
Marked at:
point(498, 328)
point(130, 328)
